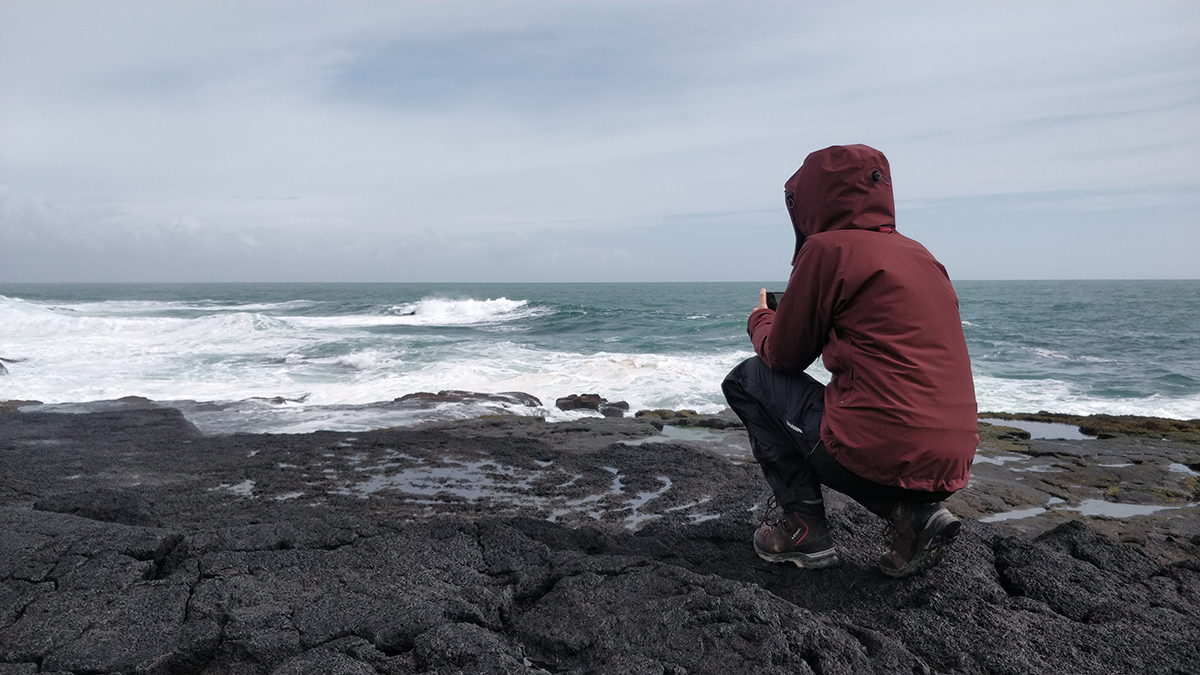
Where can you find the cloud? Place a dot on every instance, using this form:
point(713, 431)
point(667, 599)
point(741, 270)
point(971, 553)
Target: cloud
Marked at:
point(293, 125)
point(1078, 234)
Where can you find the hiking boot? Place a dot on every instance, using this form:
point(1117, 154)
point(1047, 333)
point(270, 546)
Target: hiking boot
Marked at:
point(801, 537)
point(920, 535)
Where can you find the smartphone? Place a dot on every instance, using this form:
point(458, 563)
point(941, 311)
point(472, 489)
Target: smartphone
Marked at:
point(773, 298)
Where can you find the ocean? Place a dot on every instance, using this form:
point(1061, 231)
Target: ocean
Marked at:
point(290, 358)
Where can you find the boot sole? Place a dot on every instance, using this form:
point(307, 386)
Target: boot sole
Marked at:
point(808, 561)
point(938, 534)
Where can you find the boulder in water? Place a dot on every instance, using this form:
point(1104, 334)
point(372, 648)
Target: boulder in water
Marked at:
point(425, 399)
point(593, 402)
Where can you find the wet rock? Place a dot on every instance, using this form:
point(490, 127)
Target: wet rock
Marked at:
point(614, 409)
point(666, 415)
point(726, 419)
point(279, 400)
point(424, 399)
point(579, 402)
point(592, 402)
point(661, 417)
point(1111, 426)
point(11, 406)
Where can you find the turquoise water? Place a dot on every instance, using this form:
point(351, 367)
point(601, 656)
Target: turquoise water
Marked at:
point(338, 350)
point(1098, 346)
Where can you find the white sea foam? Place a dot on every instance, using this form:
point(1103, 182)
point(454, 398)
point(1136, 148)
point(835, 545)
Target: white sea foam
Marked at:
point(1009, 395)
point(137, 307)
point(1058, 356)
point(1050, 354)
point(365, 360)
point(429, 312)
point(79, 356)
point(179, 351)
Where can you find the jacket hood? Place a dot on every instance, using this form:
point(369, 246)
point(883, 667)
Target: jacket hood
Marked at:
point(843, 187)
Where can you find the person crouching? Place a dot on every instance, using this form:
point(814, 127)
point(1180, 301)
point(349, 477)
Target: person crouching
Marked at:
point(896, 427)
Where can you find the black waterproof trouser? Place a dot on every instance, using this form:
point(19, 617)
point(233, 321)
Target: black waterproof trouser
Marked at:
point(782, 414)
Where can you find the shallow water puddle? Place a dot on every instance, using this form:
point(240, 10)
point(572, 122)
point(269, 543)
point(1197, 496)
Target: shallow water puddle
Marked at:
point(696, 518)
point(634, 519)
point(1038, 468)
point(524, 488)
point(467, 480)
point(1176, 467)
point(1099, 507)
point(617, 486)
point(1019, 514)
point(582, 505)
point(1022, 513)
point(1089, 508)
point(242, 489)
point(1043, 430)
point(671, 433)
point(998, 460)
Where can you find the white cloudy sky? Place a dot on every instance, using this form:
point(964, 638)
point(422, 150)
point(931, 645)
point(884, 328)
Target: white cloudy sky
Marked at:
point(555, 141)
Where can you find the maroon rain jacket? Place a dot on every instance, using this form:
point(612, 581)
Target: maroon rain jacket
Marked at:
point(880, 311)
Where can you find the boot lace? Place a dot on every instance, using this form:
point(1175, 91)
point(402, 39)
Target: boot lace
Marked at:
point(891, 526)
point(772, 507)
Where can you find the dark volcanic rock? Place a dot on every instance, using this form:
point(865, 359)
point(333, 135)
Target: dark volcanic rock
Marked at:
point(623, 615)
point(666, 415)
point(131, 544)
point(12, 405)
point(690, 418)
point(592, 402)
point(112, 505)
point(424, 399)
point(579, 401)
point(614, 408)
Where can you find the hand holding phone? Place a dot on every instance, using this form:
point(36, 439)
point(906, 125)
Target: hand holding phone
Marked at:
point(773, 298)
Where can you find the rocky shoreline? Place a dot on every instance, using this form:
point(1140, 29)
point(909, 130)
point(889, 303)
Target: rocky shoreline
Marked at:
point(133, 543)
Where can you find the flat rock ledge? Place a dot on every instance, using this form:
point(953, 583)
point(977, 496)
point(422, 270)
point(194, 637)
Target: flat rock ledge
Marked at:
point(130, 543)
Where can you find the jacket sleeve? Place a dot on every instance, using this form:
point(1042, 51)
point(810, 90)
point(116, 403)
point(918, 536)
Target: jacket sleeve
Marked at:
point(792, 337)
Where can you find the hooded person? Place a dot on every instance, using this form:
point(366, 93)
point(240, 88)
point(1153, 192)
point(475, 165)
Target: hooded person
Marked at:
point(896, 427)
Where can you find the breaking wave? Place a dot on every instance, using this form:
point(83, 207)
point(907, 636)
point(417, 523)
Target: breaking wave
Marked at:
point(335, 358)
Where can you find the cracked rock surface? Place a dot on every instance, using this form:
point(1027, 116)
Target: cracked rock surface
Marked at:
point(130, 543)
